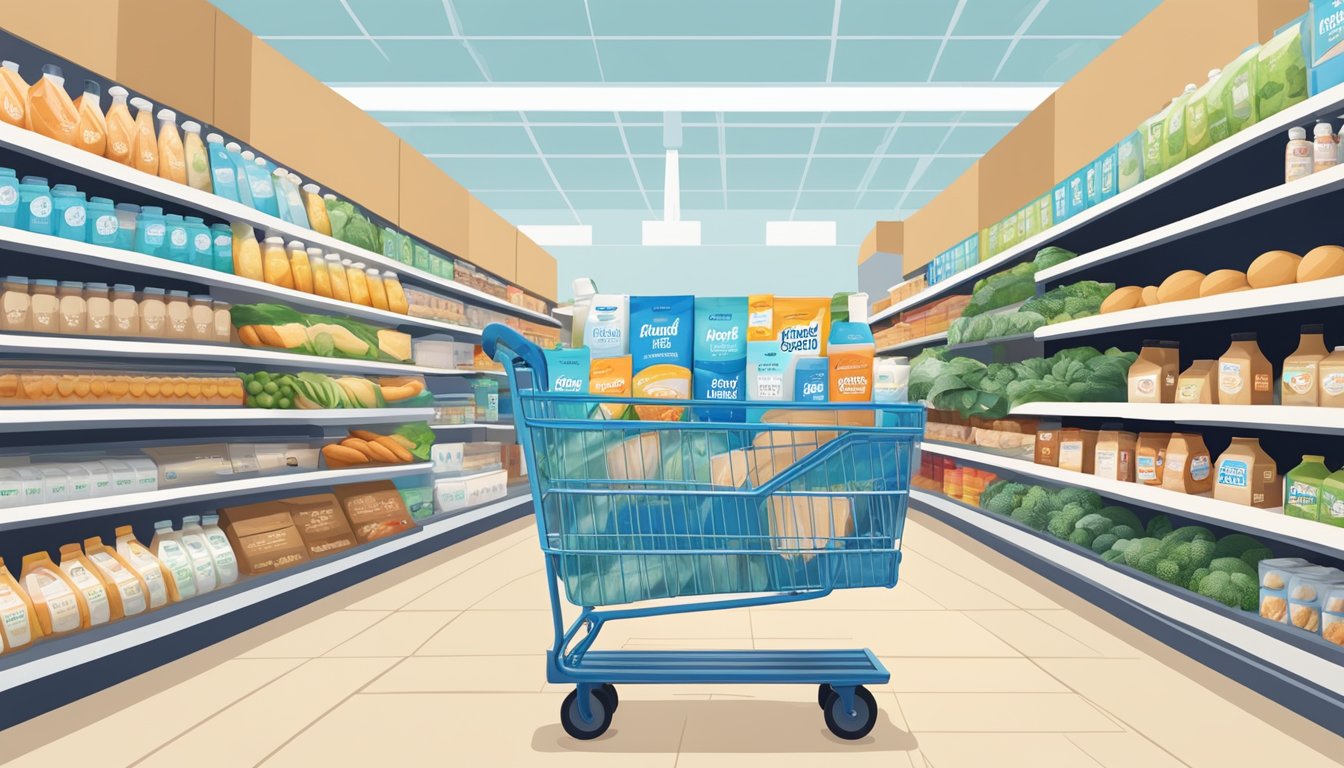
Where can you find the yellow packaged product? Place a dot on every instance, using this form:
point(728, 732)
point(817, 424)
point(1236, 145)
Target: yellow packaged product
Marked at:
point(57, 601)
point(760, 317)
point(610, 376)
point(18, 620)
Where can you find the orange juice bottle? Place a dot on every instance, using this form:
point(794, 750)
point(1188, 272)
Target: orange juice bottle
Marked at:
point(120, 128)
point(377, 292)
point(92, 135)
point(321, 277)
point(359, 284)
point(396, 297)
point(246, 253)
point(172, 157)
point(275, 263)
point(13, 95)
point(198, 163)
point(299, 268)
point(59, 605)
point(340, 286)
point(145, 147)
point(50, 110)
point(317, 209)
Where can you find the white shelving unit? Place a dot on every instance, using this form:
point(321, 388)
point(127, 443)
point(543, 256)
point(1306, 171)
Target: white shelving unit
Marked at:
point(1309, 534)
point(23, 420)
point(1279, 418)
point(477, 425)
point(920, 343)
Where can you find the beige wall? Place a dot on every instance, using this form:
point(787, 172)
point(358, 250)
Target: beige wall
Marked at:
point(885, 237)
point(536, 269)
point(177, 69)
point(492, 243)
point(949, 218)
point(82, 31)
point(1020, 168)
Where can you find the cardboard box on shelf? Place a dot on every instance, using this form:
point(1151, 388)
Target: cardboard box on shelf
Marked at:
point(492, 242)
point(78, 30)
point(432, 205)
point(375, 510)
point(535, 269)
point(263, 537)
point(187, 86)
point(321, 523)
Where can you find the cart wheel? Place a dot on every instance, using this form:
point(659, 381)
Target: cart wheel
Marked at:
point(853, 725)
point(581, 729)
point(824, 692)
point(613, 701)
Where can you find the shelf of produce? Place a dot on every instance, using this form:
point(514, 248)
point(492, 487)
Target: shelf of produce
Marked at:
point(1278, 418)
point(24, 420)
point(1326, 103)
point(87, 164)
point(1280, 299)
point(239, 289)
point(1317, 666)
point(478, 425)
point(932, 339)
point(1326, 182)
point(59, 655)
point(1307, 534)
point(42, 514)
point(13, 344)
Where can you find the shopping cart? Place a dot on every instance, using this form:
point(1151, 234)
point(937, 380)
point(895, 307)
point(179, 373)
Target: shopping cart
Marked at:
point(807, 499)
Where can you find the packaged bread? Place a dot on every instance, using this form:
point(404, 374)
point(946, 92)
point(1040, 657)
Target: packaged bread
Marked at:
point(1306, 595)
point(1077, 449)
point(1114, 455)
point(1150, 453)
point(1275, 573)
point(1187, 467)
point(1198, 383)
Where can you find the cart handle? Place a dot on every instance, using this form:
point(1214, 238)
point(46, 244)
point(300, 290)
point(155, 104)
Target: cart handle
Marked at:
point(515, 348)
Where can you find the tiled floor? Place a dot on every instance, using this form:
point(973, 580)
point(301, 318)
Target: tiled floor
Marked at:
point(440, 663)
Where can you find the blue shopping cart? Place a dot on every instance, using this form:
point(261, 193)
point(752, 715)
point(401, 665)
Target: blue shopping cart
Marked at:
point(775, 506)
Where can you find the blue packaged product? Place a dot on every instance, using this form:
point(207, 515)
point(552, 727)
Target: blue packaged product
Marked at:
point(200, 246)
point(567, 371)
point(1129, 162)
point(810, 380)
point(128, 216)
point(720, 353)
point(223, 173)
point(241, 177)
point(9, 198)
point(766, 370)
point(1061, 201)
point(661, 344)
point(221, 237)
point(101, 222)
point(35, 206)
point(260, 185)
point(150, 230)
point(1078, 201)
point(69, 211)
point(175, 240)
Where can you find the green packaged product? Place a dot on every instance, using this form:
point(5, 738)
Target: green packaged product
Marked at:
point(1129, 155)
point(1282, 71)
point(1332, 500)
point(1197, 138)
point(1232, 100)
point(1153, 131)
point(405, 250)
point(391, 242)
point(422, 258)
point(1302, 488)
point(1174, 130)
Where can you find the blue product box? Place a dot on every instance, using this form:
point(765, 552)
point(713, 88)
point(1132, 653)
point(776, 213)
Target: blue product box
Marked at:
point(973, 256)
point(1060, 199)
point(1092, 182)
point(1077, 192)
point(1107, 170)
point(1324, 36)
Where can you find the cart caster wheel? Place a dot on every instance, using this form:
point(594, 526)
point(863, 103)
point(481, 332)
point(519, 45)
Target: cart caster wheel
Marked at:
point(824, 692)
point(581, 729)
point(613, 701)
point(853, 725)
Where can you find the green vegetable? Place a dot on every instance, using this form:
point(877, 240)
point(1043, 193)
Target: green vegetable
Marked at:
point(1051, 256)
point(1235, 589)
point(1062, 524)
point(271, 388)
point(1102, 544)
point(285, 403)
point(1159, 526)
point(1034, 517)
point(254, 387)
point(1119, 516)
point(421, 436)
point(1123, 532)
point(1082, 537)
point(1239, 545)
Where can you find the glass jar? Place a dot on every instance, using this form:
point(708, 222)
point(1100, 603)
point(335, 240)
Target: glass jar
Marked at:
point(15, 305)
point(154, 313)
point(223, 322)
point(202, 318)
point(73, 312)
point(125, 311)
point(98, 309)
point(178, 326)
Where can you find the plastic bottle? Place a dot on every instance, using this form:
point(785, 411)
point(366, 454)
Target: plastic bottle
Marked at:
point(241, 181)
point(50, 111)
point(176, 242)
point(60, 608)
point(226, 563)
point(153, 313)
point(321, 277)
point(98, 309)
point(145, 146)
point(172, 157)
point(13, 95)
point(221, 240)
point(178, 313)
point(143, 562)
point(280, 183)
point(316, 209)
point(584, 291)
point(200, 246)
point(340, 285)
point(193, 540)
point(121, 128)
point(9, 198)
point(16, 305)
point(101, 223)
point(125, 587)
point(90, 585)
point(128, 219)
point(299, 267)
point(263, 189)
point(377, 291)
point(1302, 488)
point(247, 253)
point(69, 211)
point(167, 547)
point(92, 133)
point(125, 311)
point(396, 296)
point(18, 621)
point(275, 263)
point(358, 282)
point(223, 173)
point(35, 206)
point(1325, 148)
point(1331, 509)
point(296, 202)
point(73, 310)
point(197, 161)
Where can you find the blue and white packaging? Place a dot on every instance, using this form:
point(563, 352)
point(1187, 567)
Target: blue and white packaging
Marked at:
point(810, 380)
point(606, 332)
point(1106, 168)
point(766, 369)
point(1325, 44)
point(720, 353)
point(567, 371)
point(1061, 201)
point(1077, 193)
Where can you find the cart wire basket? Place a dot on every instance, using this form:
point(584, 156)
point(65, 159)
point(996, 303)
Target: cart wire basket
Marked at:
point(755, 504)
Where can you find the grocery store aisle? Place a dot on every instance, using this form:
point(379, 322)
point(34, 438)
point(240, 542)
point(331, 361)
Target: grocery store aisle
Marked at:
point(443, 658)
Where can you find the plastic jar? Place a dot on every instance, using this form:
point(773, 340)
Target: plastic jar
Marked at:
point(127, 214)
point(73, 312)
point(221, 236)
point(125, 311)
point(177, 241)
point(102, 223)
point(179, 317)
point(9, 198)
point(202, 318)
point(70, 212)
point(223, 322)
point(150, 233)
point(200, 245)
point(396, 296)
point(154, 313)
point(35, 206)
point(98, 309)
point(15, 305)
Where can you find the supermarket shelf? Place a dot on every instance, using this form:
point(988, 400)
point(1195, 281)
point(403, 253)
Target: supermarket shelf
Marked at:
point(503, 426)
point(1327, 102)
point(21, 241)
point(89, 346)
point(1303, 672)
point(1325, 182)
point(42, 514)
point(86, 164)
point(920, 343)
point(24, 420)
point(1264, 301)
point(1278, 418)
point(243, 605)
point(1307, 534)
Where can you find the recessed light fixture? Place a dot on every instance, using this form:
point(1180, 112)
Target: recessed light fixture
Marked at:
point(814, 233)
point(558, 234)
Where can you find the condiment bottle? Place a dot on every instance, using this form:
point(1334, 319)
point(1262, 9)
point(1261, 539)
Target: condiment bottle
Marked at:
point(1325, 148)
point(202, 318)
point(275, 263)
point(50, 111)
point(92, 133)
point(172, 158)
point(56, 599)
point(15, 305)
point(223, 323)
point(1298, 156)
point(340, 285)
point(194, 155)
point(13, 95)
point(396, 297)
point(125, 311)
point(203, 565)
point(167, 547)
point(179, 317)
point(242, 182)
point(377, 292)
point(98, 309)
point(90, 585)
point(358, 282)
point(154, 313)
point(299, 267)
point(18, 620)
point(121, 128)
point(145, 148)
point(321, 277)
point(317, 209)
point(1245, 376)
point(1301, 370)
point(72, 309)
point(126, 588)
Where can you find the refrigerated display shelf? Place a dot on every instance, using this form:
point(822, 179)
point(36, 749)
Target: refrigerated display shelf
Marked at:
point(1278, 418)
point(12, 344)
point(238, 288)
point(24, 420)
point(1328, 102)
point(42, 514)
point(84, 163)
point(1271, 523)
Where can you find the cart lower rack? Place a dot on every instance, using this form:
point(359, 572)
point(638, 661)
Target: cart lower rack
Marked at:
point(691, 499)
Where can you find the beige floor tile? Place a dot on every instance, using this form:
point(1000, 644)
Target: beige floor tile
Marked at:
point(888, 633)
point(1029, 635)
point(316, 637)
point(1006, 750)
point(946, 587)
point(903, 597)
point(528, 592)
point(261, 723)
point(173, 711)
point(464, 674)
point(473, 585)
point(996, 712)
point(1123, 750)
point(1089, 634)
point(480, 729)
point(416, 578)
point(968, 563)
point(400, 634)
point(932, 675)
point(492, 633)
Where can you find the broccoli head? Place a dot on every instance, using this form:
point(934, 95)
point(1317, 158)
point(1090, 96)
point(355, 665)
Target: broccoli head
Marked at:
point(1034, 517)
point(1231, 565)
point(1095, 523)
point(1148, 562)
point(1247, 548)
point(1002, 504)
point(1124, 532)
point(1188, 533)
point(1121, 516)
point(1061, 525)
point(1158, 526)
point(1082, 537)
point(1168, 571)
point(1139, 548)
point(1112, 555)
point(1090, 501)
point(1103, 543)
point(1235, 590)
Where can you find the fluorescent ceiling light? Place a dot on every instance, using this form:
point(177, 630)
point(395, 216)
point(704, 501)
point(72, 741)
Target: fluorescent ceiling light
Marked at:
point(605, 98)
point(558, 234)
point(800, 233)
point(671, 233)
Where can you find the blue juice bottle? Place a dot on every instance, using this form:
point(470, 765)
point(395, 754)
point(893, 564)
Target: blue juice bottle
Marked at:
point(222, 241)
point(176, 245)
point(201, 247)
point(241, 182)
point(35, 206)
point(259, 181)
point(150, 232)
point(223, 172)
point(70, 212)
point(9, 197)
point(101, 223)
point(127, 220)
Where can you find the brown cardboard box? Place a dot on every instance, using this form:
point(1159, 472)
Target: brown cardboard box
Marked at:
point(375, 510)
point(949, 218)
point(321, 524)
point(233, 78)
point(175, 70)
point(536, 269)
point(513, 460)
point(79, 30)
point(1020, 168)
point(433, 207)
point(884, 237)
point(263, 536)
point(492, 243)
point(1077, 449)
point(1047, 447)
